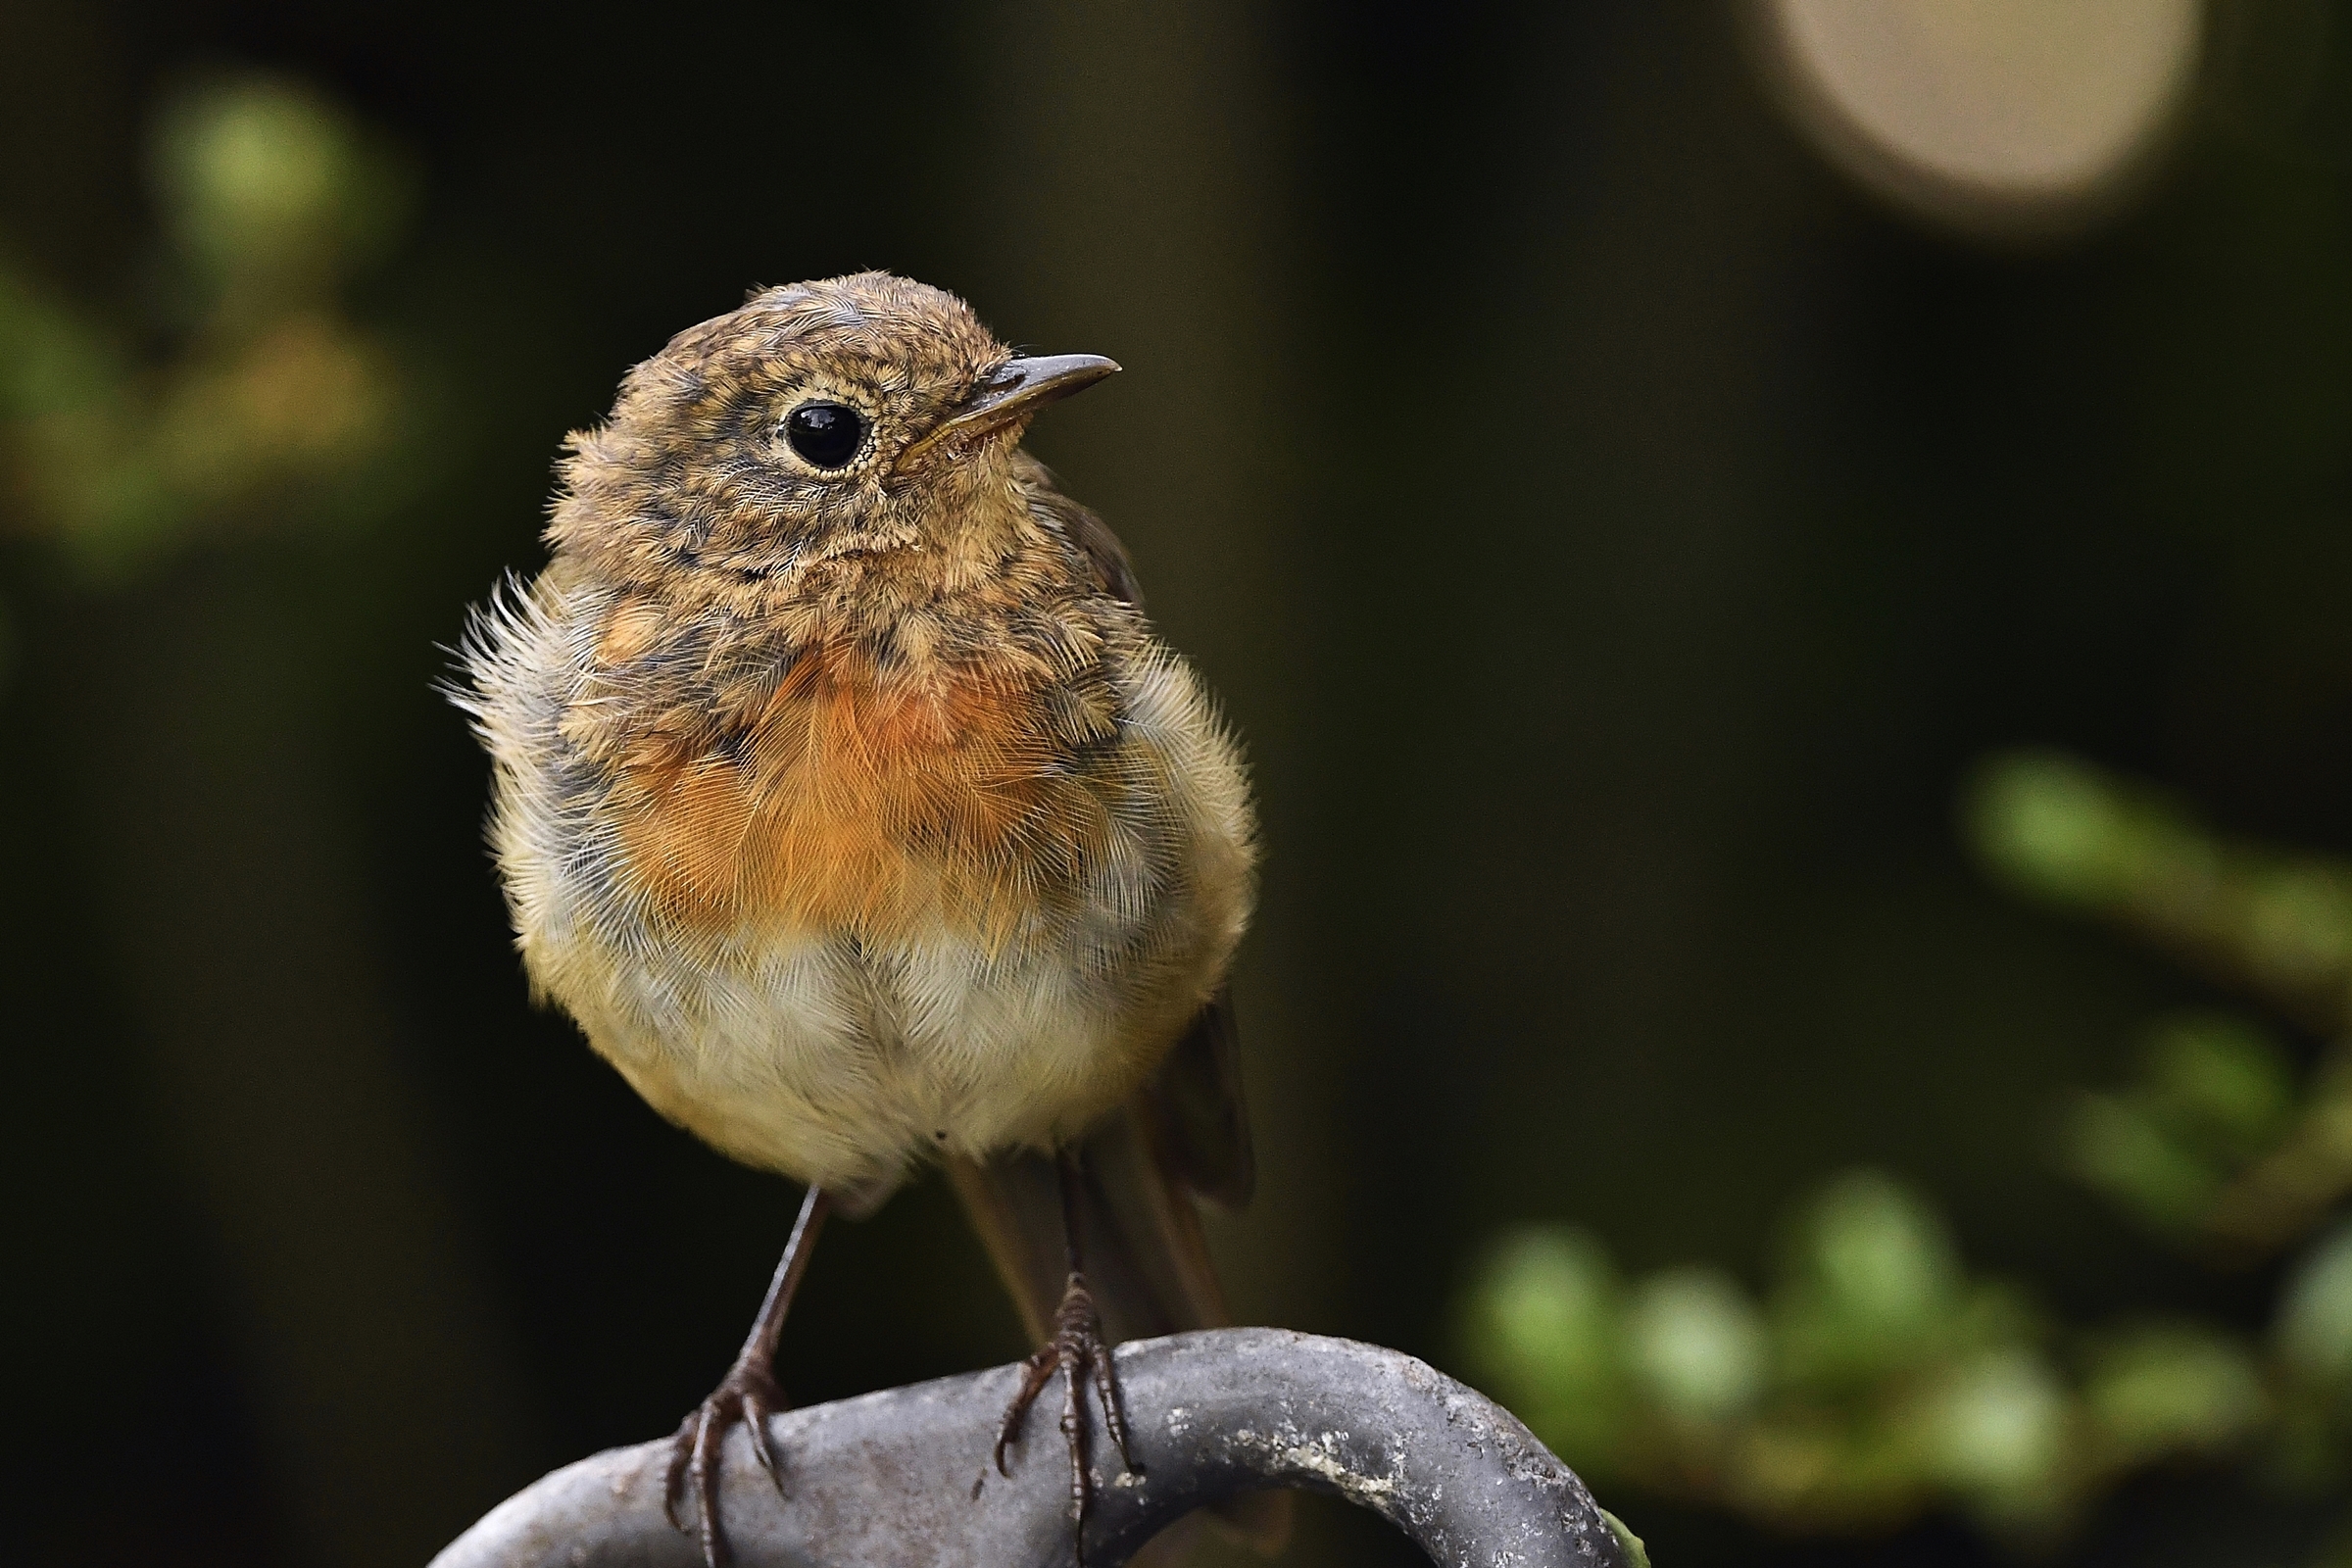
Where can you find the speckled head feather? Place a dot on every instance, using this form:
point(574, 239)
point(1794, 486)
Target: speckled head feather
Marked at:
point(693, 471)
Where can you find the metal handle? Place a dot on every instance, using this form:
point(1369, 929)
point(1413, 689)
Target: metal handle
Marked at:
point(889, 1478)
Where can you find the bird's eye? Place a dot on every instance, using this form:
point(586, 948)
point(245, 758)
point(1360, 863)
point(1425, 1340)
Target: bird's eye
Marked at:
point(828, 435)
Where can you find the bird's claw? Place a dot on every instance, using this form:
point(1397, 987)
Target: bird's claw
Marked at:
point(747, 1394)
point(1077, 1350)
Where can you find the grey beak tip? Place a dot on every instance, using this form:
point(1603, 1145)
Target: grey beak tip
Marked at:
point(1058, 370)
point(1018, 389)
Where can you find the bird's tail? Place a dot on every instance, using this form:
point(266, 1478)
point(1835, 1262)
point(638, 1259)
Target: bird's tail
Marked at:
point(1141, 1174)
point(1145, 1258)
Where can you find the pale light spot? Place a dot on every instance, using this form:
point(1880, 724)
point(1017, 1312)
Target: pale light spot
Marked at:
point(1995, 116)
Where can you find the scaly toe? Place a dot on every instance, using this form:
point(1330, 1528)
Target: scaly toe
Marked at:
point(1078, 1352)
point(745, 1395)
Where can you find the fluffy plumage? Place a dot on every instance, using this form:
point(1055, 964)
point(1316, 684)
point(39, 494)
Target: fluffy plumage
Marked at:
point(857, 815)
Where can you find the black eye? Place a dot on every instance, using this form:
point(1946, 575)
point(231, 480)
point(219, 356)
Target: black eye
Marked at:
point(826, 434)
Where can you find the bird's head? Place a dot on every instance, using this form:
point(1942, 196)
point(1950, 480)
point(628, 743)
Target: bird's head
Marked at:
point(860, 415)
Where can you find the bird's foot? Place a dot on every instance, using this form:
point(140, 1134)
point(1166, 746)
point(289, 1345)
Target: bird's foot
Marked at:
point(747, 1394)
point(1079, 1352)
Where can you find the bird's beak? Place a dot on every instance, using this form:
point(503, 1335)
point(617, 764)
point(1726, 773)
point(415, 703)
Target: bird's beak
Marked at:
point(1018, 389)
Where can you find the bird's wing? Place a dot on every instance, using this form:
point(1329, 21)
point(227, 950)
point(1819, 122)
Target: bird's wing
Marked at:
point(1106, 557)
point(1201, 1119)
point(1112, 567)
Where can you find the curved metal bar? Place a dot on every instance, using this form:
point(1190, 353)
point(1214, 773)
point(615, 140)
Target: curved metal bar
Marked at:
point(899, 1477)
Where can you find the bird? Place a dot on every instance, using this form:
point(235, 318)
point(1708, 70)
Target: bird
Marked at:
point(846, 797)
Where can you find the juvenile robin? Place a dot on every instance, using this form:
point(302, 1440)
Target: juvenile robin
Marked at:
point(847, 799)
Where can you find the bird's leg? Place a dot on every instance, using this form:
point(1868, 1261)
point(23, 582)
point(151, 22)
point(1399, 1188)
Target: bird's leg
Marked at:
point(747, 1394)
point(1078, 1352)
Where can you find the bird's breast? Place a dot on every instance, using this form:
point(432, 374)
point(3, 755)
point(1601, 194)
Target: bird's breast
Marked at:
point(883, 804)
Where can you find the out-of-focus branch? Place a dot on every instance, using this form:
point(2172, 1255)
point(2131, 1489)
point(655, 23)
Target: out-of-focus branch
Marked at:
point(2275, 923)
point(1878, 1378)
point(202, 698)
point(261, 404)
point(2215, 1145)
point(900, 1477)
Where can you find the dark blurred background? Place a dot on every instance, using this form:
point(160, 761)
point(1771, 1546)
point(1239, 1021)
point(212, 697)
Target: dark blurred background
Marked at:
point(1619, 485)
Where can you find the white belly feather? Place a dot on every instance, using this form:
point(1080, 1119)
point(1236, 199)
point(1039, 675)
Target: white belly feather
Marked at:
point(840, 1066)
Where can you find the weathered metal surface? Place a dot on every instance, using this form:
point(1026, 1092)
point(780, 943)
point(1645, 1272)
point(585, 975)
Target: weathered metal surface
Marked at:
point(889, 1479)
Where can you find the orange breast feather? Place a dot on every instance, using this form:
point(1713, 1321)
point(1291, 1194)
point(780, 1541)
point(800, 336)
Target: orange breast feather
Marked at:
point(860, 802)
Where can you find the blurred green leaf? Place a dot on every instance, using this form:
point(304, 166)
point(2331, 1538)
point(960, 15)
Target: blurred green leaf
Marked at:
point(2117, 1148)
point(2297, 923)
point(1636, 1553)
point(2314, 1330)
point(2058, 828)
point(1697, 1343)
point(1872, 1282)
point(1993, 1431)
point(2169, 1389)
point(1546, 1329)
point(2221, 1081)
point(2215, 1092)
point(49, 362)
point(264, 183)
